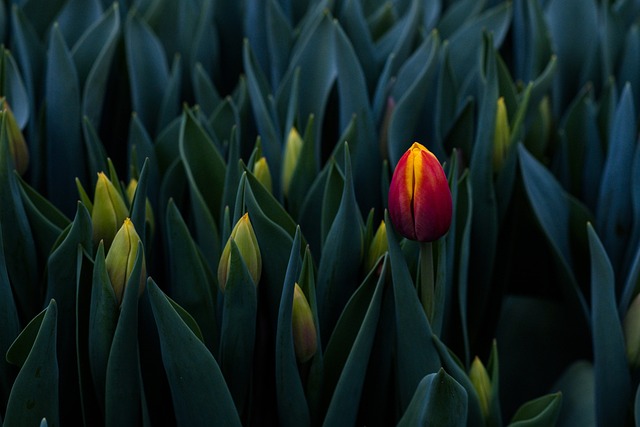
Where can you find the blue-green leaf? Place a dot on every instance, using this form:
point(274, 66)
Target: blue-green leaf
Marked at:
point(613, 213)
point(34, 394)
point(123, 389)
point(438, 400)
point(64, 148)
point(551, 207)
point(198, 389)
point(539, 412)
point(191, 285)
point(10, 326)
point(345, 401)
point(416, 355)
point(341, 256)
point(148, 70)
point(292, 404)
point(93, 54)
point(612, 381)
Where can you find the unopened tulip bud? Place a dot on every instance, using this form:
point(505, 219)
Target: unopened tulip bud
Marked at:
point(482, 384)
point(378, 246)
point(262, 174)
point(109, 211)
point(420, 203)
point(148, 210)
point(17, 145)
point(245, 238)
point(501, 136)
point(631, 326)
point(291, 155)
point(121, 259)
point(304, 329)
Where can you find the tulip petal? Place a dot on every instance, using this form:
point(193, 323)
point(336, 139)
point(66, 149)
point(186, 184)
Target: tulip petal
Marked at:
point(400, 198)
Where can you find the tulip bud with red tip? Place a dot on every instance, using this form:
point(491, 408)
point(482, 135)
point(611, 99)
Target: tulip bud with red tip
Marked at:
point(420, 204)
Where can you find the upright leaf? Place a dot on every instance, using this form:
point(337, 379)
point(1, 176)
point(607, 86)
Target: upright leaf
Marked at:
point(34, 394)
point(198, 390)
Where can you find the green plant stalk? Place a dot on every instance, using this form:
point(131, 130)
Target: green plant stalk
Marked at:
point(425, 279)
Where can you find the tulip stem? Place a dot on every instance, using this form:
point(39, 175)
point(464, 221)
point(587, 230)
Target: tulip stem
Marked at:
point(426, 279)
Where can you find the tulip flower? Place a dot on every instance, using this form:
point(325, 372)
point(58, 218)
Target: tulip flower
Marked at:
point(304, 330)
point(109, 211)
point(121, 259)
point(245, 238)
point(262, 174)
point(291, 155)
point(17, 145)
point(420, 204)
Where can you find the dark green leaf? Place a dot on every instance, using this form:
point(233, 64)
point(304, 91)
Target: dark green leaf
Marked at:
point(439, 400)
point(292, 405)
point(123, 389)
point(93, 54)
point(64, 150)
point(551, 207)
point(191, 287)
point(612, 381)
point(416, 355)
point(238, 330)
point(34, 394)
point(539, 412)
point(341, 256)
point(198, 389)
point(345, 401)
point(148, 70)
point(10, 328)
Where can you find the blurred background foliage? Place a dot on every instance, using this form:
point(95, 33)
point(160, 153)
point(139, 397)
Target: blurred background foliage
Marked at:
point(530, 105)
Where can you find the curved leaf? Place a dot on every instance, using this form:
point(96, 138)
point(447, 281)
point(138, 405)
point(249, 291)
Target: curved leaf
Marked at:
point(34, 394)
point(198, 389)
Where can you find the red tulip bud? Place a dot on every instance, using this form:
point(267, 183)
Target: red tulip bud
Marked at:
point(420, 204)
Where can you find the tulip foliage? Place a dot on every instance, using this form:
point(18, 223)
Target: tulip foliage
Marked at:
point(315, 212)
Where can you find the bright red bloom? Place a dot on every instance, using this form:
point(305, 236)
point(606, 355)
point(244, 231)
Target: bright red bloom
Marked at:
point(420, 204)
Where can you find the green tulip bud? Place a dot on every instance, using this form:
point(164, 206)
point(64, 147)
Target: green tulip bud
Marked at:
point(245, 238)
point(262, 174)
point(304, 329)
point(291, 155)
point(148, 210)
point(631, 326)
point(122, 257)
point(501, 136)
point(17, 145)
point(378, 246)
point(482, 384)
point(109, 211)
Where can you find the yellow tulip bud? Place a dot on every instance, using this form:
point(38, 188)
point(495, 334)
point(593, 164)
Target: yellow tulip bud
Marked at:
point(501, 136)
point(245, 238)
point(482, 384)
point(121, 259)
point(378, 246)
point(148, 210)
point(262, 174)
point(109, 211)
point(291, 155)
point(17, 145)
point(304, 330)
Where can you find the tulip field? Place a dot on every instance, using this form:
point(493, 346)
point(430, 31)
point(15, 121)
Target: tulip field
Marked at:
point(319, 213)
